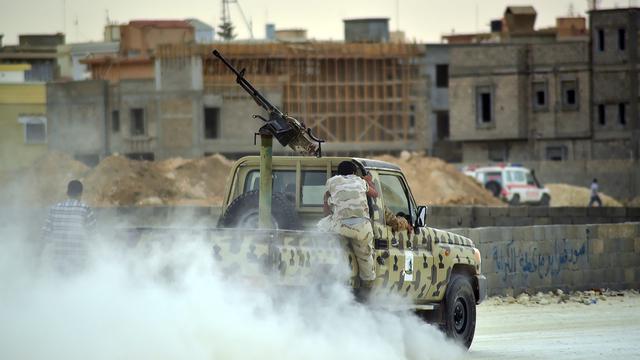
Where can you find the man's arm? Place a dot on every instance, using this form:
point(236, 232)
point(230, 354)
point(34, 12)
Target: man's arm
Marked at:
point(371, 188)
point(325, 206)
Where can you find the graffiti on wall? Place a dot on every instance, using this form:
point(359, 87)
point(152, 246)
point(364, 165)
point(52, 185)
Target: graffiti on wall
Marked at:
point(516, 257)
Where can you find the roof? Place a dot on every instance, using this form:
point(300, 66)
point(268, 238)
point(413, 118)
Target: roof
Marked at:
point(200, 25)
point(377, 164)
point(521, 10)
point(166, 24)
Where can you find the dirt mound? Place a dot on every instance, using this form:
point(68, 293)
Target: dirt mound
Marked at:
point(199, 179)
point(569, 195)
point(434, 182)
point(43, 183)
point(119, 181)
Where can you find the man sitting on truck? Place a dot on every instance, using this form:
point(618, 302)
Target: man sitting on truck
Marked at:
point(346, 201)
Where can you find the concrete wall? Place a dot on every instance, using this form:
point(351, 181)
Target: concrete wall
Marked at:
point(569, 257)
point(77, 117)
point(446, 217)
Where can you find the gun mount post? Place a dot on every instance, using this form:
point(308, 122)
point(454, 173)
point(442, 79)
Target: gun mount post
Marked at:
point(264, 202)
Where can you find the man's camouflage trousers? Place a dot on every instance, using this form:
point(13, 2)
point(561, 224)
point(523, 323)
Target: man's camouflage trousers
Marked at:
point(360, 233)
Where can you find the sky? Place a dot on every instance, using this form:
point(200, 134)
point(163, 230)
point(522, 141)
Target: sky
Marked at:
point(422, 20)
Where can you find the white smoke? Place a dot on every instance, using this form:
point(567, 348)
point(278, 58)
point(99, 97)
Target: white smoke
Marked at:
point(168, 301)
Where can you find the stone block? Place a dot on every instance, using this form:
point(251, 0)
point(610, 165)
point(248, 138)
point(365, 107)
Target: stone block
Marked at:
point(499, 211)
point(611, 246)
point(539, 211)
point(561, 220)
point(633, 213)
point(559, 211)
point(597, 212)
point(626, 230)
point(482, 211)
point(539, 233)
point(636, 245)
point(579, 220)
point(616, 212)
point(627, 245)
point(578, 278)
point(518, 211)
point(542, 221)
point(484, 221)
point(596, 246)
point(628, 260)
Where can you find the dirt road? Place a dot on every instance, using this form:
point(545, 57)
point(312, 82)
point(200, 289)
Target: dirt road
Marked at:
point(609, 329)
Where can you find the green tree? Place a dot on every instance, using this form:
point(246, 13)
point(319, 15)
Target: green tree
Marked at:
point(226, 31)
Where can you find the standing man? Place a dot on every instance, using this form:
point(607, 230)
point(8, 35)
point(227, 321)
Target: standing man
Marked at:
point(66, 231)
point(346, 201)
point(595, 198)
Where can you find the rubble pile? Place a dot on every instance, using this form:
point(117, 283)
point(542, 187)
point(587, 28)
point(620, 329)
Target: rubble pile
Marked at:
point(569, 195)
point(434, 182)
point(589, 297)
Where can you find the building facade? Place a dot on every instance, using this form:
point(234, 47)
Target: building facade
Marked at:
point(23, 124)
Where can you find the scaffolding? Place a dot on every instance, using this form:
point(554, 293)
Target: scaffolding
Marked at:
point(346, 92)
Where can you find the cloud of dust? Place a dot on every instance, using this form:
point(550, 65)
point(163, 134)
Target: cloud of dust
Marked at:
point(168, 300)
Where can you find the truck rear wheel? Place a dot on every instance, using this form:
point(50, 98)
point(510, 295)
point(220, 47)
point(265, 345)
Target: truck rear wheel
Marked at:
point(460, 311)
point(243, 212)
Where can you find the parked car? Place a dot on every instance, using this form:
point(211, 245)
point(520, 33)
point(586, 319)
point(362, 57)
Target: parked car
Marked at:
point(511, 183)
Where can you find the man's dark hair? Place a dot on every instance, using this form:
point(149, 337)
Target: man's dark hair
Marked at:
point(74, 189)
point(346, 168)
point(595, 180)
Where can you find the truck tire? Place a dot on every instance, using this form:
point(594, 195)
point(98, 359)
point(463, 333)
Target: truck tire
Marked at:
point(493, 187)
point(243, 212)
point(546, 200)
point(515, 200)
point(460, 311)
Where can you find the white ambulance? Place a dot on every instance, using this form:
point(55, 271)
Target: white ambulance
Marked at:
point(511, 183)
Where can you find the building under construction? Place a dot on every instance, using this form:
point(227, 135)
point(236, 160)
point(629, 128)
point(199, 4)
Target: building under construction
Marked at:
point(362, 98)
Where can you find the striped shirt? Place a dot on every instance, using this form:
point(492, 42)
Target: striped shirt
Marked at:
point(65, 233)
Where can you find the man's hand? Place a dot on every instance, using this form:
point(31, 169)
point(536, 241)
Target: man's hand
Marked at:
point(325, 205)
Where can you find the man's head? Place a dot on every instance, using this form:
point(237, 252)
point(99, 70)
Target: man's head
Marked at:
point(74, 189)
point(346, 168)
point(595, 180)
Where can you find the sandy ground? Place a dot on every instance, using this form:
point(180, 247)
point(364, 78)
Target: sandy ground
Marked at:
point(610, 328)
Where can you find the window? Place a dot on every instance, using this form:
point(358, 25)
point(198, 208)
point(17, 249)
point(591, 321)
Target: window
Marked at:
point(115, 121)
point(530, 179)
point(137, 122)
point(394, 194)
point(498, 151)
point(313, 188)
point(442, 75)
point(442, 124)
point(622, 114)
point(556, 153)
point(211, 123)
point(569, 95)
point(484, 105)
point(35, 128)
point(602, 120)
point(283, 181)
point(540, 100)
point(622, 39)
point(601, 39)
point(516, 176)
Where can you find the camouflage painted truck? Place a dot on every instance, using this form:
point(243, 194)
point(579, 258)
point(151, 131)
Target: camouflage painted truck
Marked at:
point(438, 271)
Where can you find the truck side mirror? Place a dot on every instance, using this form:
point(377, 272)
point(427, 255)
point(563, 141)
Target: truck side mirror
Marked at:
point(421, 219)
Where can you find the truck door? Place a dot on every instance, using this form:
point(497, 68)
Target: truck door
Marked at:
point(403, 263)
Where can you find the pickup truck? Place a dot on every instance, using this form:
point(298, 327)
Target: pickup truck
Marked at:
point(437, 271)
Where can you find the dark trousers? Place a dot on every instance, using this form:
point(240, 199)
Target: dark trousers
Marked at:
point(595, 199)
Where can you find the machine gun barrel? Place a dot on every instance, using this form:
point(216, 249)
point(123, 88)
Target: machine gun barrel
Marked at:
point(289, 131)
point(246, 85)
